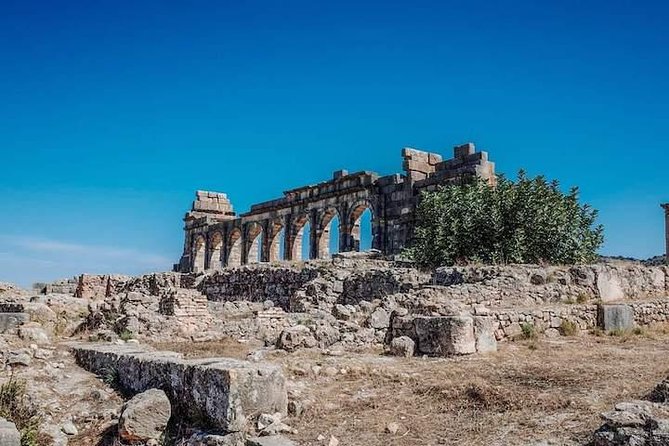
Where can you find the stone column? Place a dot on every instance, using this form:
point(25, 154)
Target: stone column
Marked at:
point(666, 232)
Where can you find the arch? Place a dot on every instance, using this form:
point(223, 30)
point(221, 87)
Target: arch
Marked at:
point(275, 243)
point(299, 238)
point(215, 256)
point(254, 235)
point(327, 242)
point(199, 254)
point(361, 218)
point(235, 248)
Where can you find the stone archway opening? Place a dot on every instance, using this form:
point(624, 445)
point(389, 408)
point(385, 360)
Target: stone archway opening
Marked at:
point(215, 260)
point(328, 234)
point(360, 224)
point(199, 254)
point(254, 253)
point(276, 241)
point(301, 234)
point(235, 248)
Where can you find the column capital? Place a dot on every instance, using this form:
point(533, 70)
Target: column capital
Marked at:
point(665, 206)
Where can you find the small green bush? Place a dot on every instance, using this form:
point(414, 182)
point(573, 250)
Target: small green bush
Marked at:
point(529, 331)
point(568, 328)
point(527, 221)
point(126, 335)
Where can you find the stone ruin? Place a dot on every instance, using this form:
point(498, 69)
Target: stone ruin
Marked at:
point(215, 237)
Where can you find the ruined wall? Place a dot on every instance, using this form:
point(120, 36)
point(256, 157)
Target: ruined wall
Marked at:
point(215, 238)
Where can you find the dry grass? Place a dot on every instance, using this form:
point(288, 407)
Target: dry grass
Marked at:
point(554, 390)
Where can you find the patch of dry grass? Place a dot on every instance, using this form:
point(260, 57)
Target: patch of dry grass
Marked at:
point(227, 347)
point(518, 395)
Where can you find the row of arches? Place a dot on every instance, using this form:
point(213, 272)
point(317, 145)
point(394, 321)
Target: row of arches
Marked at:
point(317, 234)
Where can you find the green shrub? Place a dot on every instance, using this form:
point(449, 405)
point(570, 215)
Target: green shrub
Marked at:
point(126, 335)
point(568, 328)
point(15, 407)
point(529, 331)
point(526, 221)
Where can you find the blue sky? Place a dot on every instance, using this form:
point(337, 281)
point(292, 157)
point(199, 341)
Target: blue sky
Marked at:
point(113, 113)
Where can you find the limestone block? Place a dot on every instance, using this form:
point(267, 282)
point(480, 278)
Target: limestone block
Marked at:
point(221, 391)
point(484, 333)
point(402, 346)
point(296, 337)
point(615, 317)
point(11, 321)
point(9, 435)
point(608, 286)
point(445, 335)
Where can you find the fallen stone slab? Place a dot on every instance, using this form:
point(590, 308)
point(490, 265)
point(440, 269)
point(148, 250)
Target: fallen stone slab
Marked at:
point(219, 391)
point(615, 317)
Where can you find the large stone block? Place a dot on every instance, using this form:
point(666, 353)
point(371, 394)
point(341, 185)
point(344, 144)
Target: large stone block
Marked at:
point(615, 317)
point(445, 335)
point(608, 286)
point(220, 391)
point(484, 333)
point(11, 321)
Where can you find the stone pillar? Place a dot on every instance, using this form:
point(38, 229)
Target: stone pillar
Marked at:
point(314, 233)
point(666, 232)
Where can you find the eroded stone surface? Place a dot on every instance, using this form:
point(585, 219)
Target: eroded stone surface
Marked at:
point(223, 391)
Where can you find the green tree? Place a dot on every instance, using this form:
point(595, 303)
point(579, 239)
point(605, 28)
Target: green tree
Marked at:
point(527, 221)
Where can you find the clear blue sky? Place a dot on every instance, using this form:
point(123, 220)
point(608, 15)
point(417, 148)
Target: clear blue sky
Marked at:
point(113, 113)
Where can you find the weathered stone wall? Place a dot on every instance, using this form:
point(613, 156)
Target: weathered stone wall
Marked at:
point(257, 284)
point(525, 285)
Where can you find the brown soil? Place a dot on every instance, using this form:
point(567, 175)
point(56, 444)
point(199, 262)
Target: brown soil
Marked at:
point(527, 392)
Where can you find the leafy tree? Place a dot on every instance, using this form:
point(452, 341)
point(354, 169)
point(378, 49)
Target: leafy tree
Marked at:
point(526, 221)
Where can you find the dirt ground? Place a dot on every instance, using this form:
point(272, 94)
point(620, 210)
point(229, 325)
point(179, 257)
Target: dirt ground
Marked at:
point(528, 392)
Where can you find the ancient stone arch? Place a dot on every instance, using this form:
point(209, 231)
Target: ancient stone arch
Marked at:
point(295, 236)
point(324, 231)
point(275, 233)
point(234, 256)
point(254, 242)
point(199, 254)
point(352, 225)
point(216, 251)
point(256, 235)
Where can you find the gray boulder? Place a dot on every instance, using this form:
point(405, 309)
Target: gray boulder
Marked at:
point(204, 439)
point(402, 346)
point(296, 337)
point(9, 435)
point(379, 319)
point(145, 416)
point(634, 423)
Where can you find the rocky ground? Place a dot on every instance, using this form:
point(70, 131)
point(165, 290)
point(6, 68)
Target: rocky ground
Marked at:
point(548, 382)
